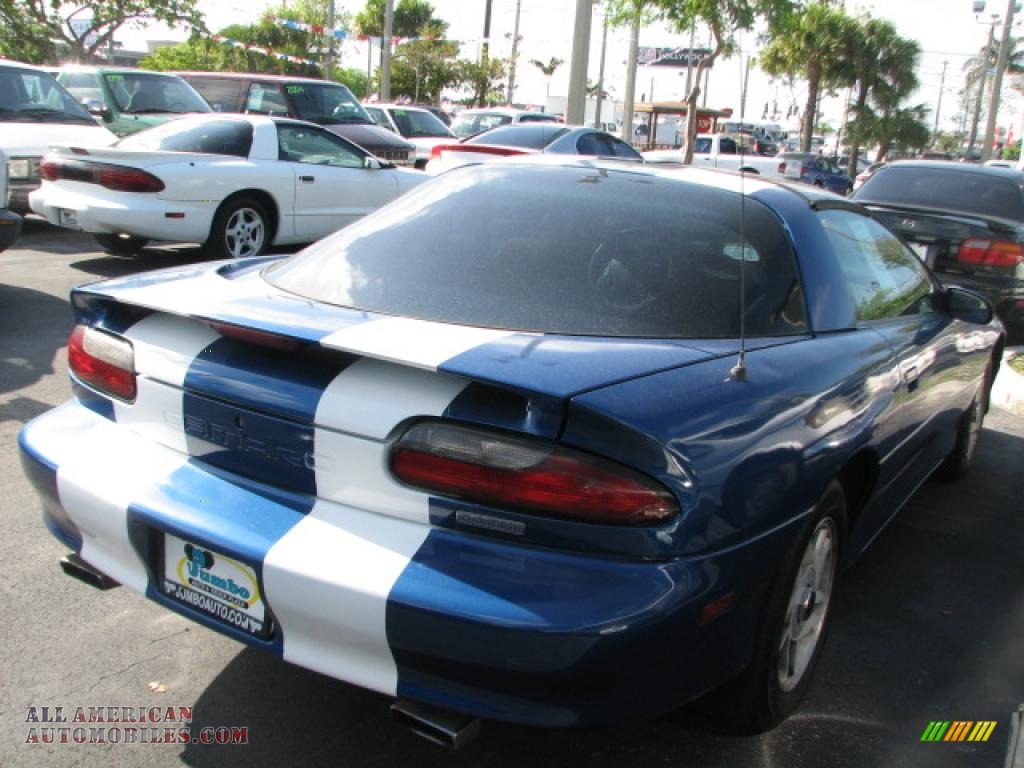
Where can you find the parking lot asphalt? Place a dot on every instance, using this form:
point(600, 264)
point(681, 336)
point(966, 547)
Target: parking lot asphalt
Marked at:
point(928, 625)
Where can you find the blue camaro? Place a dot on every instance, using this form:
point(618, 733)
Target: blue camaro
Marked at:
point(558, 443)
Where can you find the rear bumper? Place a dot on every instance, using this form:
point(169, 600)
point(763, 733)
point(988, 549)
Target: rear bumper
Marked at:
point(139, 215)
point(469, 624)
point(10, 228)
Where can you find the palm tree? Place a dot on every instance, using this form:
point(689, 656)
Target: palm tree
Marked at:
point(548, 69)
point(810, 45)
point(883, 67)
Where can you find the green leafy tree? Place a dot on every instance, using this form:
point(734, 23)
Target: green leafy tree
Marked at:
point(38, 31)
point(725, 19)
point(410, 18)
point(548, 69)
point(206, 54)
point(810, 44)
point(883, 66)
point(424, 68)
point(481, 78)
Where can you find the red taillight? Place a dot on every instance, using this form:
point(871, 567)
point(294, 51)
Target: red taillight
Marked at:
point(123, 179)
point(992, 253)
point(526, 474)
point(120, 178)
point(103, 361)
point(48, 169)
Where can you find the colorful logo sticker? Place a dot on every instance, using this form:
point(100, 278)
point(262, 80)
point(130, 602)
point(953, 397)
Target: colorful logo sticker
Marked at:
point(958, 730)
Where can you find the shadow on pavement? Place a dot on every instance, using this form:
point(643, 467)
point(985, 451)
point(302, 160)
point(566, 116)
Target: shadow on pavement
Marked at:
point(928, 627)
point(33, 326)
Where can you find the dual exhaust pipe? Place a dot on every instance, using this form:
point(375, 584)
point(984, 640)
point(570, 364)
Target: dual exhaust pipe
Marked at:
point(440, 726)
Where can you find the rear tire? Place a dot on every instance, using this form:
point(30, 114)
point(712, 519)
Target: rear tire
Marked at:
point(794, 622)
point(240, 229)
point(121, 245)
point(959, 463)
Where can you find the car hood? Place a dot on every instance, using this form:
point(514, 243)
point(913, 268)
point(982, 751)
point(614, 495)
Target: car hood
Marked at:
point(369, 136)
point(550, 365)
point(32, 138)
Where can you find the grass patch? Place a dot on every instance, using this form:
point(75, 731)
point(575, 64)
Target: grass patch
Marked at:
point(1017, 363)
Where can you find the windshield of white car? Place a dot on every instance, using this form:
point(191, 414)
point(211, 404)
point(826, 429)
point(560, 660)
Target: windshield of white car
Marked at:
point(606, 253)
point(26, 95)
point(140, 93)
point(326, 103)
point(212, 137)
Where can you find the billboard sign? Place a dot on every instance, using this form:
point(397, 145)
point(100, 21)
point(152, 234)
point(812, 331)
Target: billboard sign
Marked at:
point(671, 57)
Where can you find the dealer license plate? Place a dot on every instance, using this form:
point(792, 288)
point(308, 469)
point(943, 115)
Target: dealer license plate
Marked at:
point(69, 219)
point(214, 584)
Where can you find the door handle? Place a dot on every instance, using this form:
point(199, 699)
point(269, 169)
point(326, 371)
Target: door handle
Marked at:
point(307, 179)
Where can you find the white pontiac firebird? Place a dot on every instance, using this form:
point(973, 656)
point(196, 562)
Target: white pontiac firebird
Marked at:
point(235, 183)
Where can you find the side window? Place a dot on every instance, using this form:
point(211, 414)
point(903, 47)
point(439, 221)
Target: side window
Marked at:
point(313, 146)
point(726, 147)
point(378, 116)
point(220, 93)
point(885, 278)
point(265, 100)
point(590, 144)
point(702, 146)
point(622, 149)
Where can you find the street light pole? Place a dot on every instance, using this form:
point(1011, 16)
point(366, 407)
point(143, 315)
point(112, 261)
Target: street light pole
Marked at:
point(385, 74)
point(938, 105)
point(997, 82)
point(600, 75)
point(627, 114)
point(575, 112)
point(515, 54)
point(329, 69)
point(981, 93)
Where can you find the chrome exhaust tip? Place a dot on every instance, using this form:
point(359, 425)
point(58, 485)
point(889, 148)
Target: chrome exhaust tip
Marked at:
point(77, 568)
point(441, 726)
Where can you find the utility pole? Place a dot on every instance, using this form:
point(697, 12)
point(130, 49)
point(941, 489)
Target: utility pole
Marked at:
point(600, 74)
point(743, 88)
point(385, 54)
point(938, 105)
point(487, 31)
point(329, 66)
point(575, 112)
point(981, 93)
point(627, 114)
point(515, 54)
point(997, 83)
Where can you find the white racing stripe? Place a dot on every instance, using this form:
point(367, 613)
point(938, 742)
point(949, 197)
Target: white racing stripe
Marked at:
point(194, 294)
point(165, 347)
point(101, 470)
point(419, 343)
point(328, 581)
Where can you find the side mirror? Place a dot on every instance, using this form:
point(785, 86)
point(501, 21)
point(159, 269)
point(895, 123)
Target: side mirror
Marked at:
point(96, 108)
point(371, 163)
point(968, 306)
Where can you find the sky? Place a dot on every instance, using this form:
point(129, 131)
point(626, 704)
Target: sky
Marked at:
point(948, 32)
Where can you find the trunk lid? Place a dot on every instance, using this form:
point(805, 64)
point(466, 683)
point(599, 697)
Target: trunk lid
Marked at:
point(267, 386)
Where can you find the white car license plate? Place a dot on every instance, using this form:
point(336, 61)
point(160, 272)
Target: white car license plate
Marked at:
point(69, 219)
point(214, 584)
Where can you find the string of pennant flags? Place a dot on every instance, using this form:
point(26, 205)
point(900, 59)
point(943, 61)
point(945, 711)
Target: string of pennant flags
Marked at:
point(344, 34)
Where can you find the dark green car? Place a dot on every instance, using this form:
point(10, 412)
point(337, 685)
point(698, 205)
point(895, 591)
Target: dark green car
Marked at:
point(129, 100)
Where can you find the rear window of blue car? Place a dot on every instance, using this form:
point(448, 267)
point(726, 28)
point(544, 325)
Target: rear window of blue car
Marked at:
point(562, 249)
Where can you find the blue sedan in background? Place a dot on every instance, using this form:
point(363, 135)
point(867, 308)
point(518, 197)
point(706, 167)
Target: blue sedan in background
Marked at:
point(816, 170)
point(558, 443)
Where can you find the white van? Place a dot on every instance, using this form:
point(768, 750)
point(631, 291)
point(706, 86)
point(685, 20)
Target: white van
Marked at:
point(10, 223)
point(35, 114)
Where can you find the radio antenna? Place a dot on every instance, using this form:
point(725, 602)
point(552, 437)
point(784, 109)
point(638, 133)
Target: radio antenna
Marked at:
point(739, 371)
